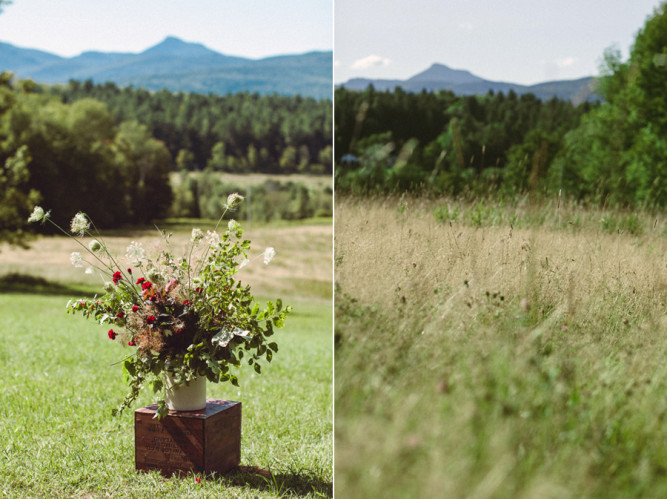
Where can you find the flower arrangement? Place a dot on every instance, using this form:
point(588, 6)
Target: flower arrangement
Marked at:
point(185, 317)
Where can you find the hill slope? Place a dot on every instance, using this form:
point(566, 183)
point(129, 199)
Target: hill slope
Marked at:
point(179, 66)
point(461, 82)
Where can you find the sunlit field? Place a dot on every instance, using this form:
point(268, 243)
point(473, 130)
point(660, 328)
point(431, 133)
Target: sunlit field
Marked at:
point(60, 378)
point(499, 350)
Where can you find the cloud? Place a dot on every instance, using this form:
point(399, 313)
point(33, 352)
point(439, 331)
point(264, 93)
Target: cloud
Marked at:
point(337, 63)
point(565, 62)
point(370, 61)
point(465, 26)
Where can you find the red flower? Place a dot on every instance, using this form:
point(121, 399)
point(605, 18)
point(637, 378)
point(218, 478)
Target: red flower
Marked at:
point(198, 480)
point(150, 319)
point(146, 285)
point(112, 334)
point(135, 308)
point(116, 277)
point(140, 280)
point(120, 315)
point(187, 302)
point(131, 343)
point(129, 271)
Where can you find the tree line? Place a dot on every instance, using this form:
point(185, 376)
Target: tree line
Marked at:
point(244, 132)
point(610, 152)
point(73, 153)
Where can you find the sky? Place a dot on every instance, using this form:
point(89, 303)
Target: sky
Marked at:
point(248, 28)
point(516, 41)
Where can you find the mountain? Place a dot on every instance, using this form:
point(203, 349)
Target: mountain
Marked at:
point(179, 66)
point(461, 82)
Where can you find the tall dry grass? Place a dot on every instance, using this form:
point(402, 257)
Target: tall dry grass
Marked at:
point(487, 350)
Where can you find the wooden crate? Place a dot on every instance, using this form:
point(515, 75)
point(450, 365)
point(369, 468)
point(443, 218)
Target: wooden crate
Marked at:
point(202, 441)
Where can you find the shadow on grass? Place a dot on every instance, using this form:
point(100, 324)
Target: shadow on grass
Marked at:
point(282, 483)
point(22, 283)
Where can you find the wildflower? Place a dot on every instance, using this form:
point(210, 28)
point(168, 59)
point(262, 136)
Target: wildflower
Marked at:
point(80, 224)
point(89, 270)
point(120, 315)
point(135, 252)
point(76, 259)
point(150, 319)
point(233, 200)
point(94, 245)
point(112, 334)
point(146, 285)
point(213, 238)
point(140, 280)
point(135, 308)
point(197, 235)
point(232, 225)
point(197, 479)
point(269, 253)
point(116, 277)
point(131, 343)
point(244, 263)
point(129, 271)
point(38, 215)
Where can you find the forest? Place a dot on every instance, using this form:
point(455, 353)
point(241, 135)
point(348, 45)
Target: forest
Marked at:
point(112, 152)
point(611, 152)
point(242, 132)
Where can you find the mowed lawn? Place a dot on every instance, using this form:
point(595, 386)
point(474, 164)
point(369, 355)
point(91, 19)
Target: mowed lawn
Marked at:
point(485, 350)
point(59, 385)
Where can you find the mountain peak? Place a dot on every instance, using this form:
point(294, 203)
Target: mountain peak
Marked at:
point(440, 72)
point(175, 46)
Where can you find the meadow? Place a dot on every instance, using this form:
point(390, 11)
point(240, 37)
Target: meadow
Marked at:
point(60, 380)
point(493, 349)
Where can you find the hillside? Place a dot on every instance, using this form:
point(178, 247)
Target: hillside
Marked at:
point(176, 65)
point(461, 82)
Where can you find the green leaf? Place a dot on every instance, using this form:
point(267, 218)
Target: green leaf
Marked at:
point(224, 336)
point(273, 346)
point(156, 385)
point(258, 369)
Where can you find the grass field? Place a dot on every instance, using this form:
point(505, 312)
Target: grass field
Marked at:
point(486, 350)
point(57, 437)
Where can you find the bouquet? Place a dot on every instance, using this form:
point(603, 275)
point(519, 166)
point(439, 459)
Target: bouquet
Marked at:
point(184, 316)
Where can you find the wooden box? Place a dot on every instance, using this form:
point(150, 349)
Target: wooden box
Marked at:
point(202, 441)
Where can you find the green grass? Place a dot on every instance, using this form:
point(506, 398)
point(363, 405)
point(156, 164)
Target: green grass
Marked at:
point(487, 358)
point(58, 386)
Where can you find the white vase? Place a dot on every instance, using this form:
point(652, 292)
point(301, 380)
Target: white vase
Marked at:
point(190, 397)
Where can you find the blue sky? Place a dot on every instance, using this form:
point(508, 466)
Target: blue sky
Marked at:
point(249, 28)
point(518, 41)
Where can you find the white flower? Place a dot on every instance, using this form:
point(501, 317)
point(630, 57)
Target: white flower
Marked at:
point(269, 253)
point(76, 259)
point(89, 270)
point(135, 252)
point(38, 215)
point(233, 200)
point(94, 245)
point(244, 263)
point(232, 225)
point(213, 238)
point(197, 235)
point(80, 224)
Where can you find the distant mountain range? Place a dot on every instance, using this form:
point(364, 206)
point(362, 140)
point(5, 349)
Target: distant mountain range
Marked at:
point(179, 66)
point(461, 82)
